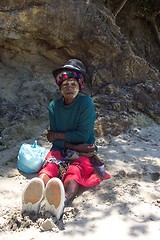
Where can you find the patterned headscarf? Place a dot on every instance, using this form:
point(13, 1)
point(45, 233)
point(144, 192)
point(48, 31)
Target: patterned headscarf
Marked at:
point(63, 75)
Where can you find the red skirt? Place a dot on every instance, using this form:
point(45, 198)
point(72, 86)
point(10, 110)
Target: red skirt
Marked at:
point(79, 170)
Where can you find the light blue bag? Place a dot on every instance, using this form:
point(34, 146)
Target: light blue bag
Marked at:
point(31, 157)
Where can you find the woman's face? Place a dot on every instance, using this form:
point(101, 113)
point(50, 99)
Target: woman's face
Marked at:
point(70, 88)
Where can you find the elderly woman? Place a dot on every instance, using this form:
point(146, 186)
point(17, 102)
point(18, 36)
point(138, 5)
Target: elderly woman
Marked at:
point(68, 165)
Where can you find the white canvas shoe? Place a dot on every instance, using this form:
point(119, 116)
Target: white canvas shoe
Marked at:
point(32, 195)
point(55, 197)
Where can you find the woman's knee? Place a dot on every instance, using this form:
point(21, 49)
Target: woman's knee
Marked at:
point(51, 170)
point(44, 177)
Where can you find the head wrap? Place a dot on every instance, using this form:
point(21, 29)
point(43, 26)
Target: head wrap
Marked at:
point(63, 75)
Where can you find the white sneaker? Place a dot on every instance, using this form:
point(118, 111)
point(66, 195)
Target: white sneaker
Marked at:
point(55, 197)
point(32, 195)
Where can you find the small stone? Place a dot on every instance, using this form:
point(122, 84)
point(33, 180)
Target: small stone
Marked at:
point(14, 227)
point(47, 225)
point(155, 176)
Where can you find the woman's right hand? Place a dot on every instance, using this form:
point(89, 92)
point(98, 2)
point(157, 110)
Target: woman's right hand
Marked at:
point(50, 135)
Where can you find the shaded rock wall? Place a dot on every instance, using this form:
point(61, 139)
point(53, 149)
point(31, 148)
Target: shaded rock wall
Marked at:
point(136, 23)
point(44, 34)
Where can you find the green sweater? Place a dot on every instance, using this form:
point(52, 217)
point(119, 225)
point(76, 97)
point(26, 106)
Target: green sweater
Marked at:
point(76, 120)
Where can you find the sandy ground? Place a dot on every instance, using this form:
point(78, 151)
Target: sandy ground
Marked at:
point(125, 207)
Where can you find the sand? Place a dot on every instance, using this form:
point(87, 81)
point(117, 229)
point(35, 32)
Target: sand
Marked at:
point(125, 207)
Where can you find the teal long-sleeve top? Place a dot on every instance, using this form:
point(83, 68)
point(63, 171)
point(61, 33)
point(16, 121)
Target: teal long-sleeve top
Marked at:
point(76, 120)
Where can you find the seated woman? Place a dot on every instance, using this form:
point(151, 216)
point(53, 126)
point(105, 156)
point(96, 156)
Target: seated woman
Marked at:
point(68, 164)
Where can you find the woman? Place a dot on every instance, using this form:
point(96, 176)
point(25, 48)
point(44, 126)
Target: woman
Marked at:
point(72, 134)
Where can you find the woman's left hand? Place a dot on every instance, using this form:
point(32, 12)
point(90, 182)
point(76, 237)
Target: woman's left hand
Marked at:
point(86, 148)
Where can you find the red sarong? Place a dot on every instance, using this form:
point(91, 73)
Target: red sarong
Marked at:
point(80, 170)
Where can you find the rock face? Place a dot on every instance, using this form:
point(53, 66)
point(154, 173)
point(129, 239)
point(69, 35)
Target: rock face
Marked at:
point(39, 35)
point(118, 108)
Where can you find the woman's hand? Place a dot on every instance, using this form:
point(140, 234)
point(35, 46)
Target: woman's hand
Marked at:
point(50, 135)
point(85, 148)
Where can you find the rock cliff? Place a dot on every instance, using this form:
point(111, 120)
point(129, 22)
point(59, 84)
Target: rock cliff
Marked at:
point(37, 36)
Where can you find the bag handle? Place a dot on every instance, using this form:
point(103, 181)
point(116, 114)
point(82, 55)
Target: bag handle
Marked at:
point(34, 145)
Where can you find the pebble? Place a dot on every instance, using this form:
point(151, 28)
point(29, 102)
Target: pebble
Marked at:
point(47, 225)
